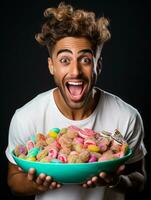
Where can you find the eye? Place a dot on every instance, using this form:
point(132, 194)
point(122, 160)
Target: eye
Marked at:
point(86, 60)
point(65, 60)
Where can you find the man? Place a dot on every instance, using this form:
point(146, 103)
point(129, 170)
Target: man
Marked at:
point(74, 39)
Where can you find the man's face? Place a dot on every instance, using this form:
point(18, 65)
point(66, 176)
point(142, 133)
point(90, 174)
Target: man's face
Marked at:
point(73, 67)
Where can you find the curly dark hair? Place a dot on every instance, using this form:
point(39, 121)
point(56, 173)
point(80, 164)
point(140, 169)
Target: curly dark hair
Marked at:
point(65, 21)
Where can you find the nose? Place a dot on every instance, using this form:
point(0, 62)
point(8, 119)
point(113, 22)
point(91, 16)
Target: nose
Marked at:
point(75, 69)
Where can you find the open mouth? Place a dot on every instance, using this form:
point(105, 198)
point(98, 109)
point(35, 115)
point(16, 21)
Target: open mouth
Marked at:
point(75, 89)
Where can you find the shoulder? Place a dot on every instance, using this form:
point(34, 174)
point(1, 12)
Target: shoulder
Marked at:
point(118, 105)
point(35, 106)
point(113, 106)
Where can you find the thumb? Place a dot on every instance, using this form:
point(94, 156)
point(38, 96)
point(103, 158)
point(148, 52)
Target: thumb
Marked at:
point(20, 169)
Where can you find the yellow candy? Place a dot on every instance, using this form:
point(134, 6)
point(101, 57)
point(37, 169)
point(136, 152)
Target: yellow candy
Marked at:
point(93, 148)
point(52, 134)
point(31, 159)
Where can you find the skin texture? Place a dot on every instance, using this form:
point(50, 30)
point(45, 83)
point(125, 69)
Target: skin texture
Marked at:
point(73, 60)
point(74, 67)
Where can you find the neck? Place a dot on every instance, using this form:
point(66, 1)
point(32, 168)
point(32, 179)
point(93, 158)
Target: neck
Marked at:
point(77, 114)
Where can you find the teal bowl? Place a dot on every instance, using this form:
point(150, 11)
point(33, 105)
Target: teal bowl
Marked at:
point(75, 173)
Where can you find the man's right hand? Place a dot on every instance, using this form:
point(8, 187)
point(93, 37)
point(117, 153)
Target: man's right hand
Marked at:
point(43, 182)
point(27, 184)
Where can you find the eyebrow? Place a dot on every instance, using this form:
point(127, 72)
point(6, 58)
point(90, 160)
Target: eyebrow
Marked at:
point(64, 50)
point(81, 51)
point(86, 51)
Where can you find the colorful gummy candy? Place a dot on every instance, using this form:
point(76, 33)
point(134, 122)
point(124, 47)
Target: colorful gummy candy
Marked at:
point(73, 145)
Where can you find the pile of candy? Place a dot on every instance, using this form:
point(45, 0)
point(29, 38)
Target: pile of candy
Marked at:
point(73, 145)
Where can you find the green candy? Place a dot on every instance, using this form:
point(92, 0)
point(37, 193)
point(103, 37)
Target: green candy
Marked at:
point(33, 152)
point(57, 130)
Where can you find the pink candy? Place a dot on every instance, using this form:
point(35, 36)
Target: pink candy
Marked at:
point(52, 153)
point(83, 134)
point(93, 159)
point(73, 145)
point(74, 128)
point(90, 132)
point(62, 158)
point(30, 144)
point(119, 155)
point(56, 143)
point(88, 142)
point(78, 140)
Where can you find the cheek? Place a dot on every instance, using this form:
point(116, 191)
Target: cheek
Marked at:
point(59, 74)
point(59, 69)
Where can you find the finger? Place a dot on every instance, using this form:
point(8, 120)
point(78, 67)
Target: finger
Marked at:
point(58, 185)
point(40, 179)
point(94, 179)
point(31, 174)
point(120, 169)
point(47, 181)
point(102, 175)
point(53, 185)
point(85, 185)
point(89, 183)
point(20, 169)
point(105, 177)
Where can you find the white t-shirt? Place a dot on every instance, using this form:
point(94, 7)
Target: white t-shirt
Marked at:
point(41, 114)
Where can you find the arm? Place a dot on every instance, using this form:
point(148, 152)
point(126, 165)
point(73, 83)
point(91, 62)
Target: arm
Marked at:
point(134, 177)
point(27, 183)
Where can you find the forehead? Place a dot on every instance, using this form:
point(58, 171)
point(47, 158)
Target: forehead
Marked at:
point(73, 44)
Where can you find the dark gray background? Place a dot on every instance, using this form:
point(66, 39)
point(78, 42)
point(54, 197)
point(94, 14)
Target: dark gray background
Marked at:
point(24, 72)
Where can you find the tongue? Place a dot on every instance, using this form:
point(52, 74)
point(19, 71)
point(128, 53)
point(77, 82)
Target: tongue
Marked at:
point(75, 90)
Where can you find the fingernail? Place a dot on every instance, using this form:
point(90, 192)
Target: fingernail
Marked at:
point(102, 174)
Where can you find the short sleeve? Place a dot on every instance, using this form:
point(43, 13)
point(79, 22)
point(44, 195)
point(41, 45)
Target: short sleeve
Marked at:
point(135, 138)
point(18, 134)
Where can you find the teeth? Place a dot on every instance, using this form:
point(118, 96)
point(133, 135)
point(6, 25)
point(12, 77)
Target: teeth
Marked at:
point(75, 83)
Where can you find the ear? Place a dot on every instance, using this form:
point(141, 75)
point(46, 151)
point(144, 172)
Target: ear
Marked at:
point(99, 65)
point(99, 59)
point(50, 66)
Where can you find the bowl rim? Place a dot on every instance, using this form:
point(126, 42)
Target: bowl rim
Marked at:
point(127, 155)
